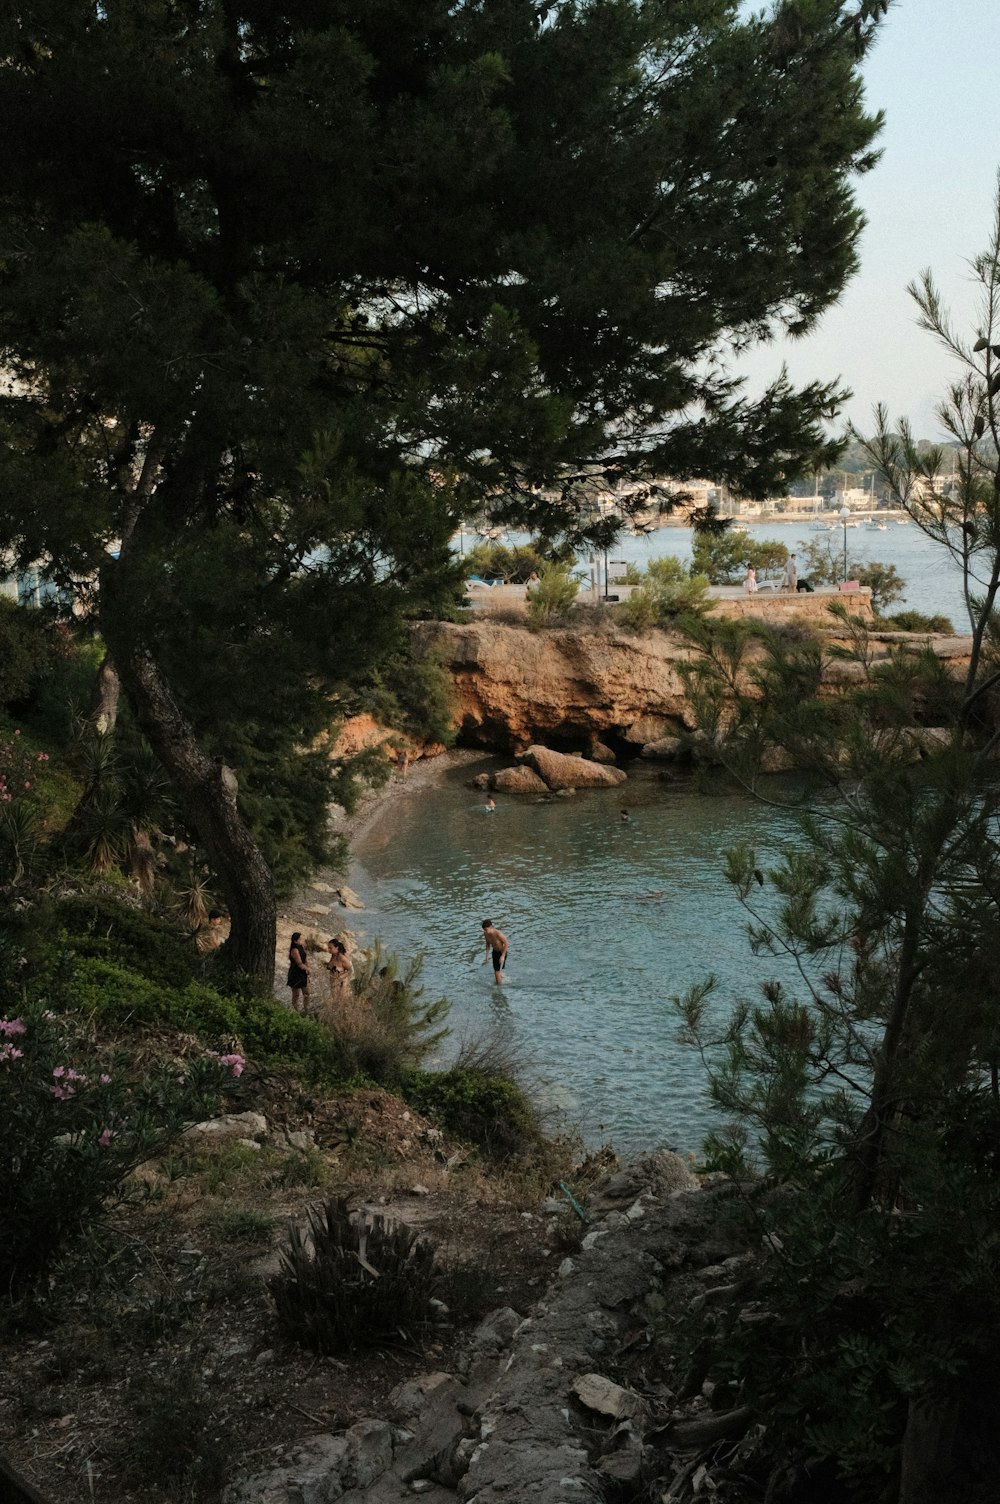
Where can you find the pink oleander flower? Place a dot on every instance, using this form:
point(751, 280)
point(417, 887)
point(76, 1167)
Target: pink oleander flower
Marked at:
point(58, 1071)
point(236, 1063)
point(11, 1026)
point(104, 1138)
point(8, 1052)
point(104, 1079)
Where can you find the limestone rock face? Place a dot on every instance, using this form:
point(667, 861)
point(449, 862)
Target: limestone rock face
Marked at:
point(577, 689)
point(560, 771)
point(516, 688)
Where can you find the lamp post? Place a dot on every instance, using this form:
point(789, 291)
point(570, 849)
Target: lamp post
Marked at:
point(845, 512)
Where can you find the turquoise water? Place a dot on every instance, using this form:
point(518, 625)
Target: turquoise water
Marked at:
point(605, 921)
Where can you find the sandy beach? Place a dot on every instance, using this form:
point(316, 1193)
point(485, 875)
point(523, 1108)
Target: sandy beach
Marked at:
point(319, 910)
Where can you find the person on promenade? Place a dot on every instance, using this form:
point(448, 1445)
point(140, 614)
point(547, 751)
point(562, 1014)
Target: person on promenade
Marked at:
point(791, 580)
point(496, 948)
point(298, 972)
point(491, 805)
point(403, 765)
point(750, 580)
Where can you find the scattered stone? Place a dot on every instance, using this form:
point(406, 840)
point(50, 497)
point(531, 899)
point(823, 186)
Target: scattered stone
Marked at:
point(598, 1393)
point(648, 728)
point(410, 1398)
point(664, 749)
point(301, 1139)
point(624, 1465)
point(322, 1469)
point(349, 899)
point(599, 752)
point(419, 1190)
point(496, 1330)
point(231, 1127)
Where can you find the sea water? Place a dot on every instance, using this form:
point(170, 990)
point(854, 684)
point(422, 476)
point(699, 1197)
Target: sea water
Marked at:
point(933, 580)
point(607, 921)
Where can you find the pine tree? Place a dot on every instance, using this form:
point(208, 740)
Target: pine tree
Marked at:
point(288, 289)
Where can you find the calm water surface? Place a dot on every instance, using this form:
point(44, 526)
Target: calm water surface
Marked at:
point(605, 921)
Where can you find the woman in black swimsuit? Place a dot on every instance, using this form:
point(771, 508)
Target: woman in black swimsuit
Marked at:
point(298, 972)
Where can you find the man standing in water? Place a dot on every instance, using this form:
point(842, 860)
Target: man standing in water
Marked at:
point(496, 945)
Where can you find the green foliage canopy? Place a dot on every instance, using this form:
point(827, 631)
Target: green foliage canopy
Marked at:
point(302, 286)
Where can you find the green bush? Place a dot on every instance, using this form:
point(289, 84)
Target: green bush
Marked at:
point(725, 557)
point(351, 1279)
point(30, 650)
point(267, 1030)
point(660, 602)
point(106, 929)
point(515, 565)
point(916, 621)
point(72, 1129)
point(551, 600)
point(477, 1106)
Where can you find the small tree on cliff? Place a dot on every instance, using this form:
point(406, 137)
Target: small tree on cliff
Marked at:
point(289, 289)
point(868, 1077)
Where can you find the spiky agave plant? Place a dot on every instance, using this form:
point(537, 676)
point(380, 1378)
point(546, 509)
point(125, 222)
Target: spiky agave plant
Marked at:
point(350, 1278)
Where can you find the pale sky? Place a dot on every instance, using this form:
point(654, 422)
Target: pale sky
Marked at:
point(929, 203)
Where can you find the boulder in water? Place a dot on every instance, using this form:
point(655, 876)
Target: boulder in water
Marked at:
point(561, 771)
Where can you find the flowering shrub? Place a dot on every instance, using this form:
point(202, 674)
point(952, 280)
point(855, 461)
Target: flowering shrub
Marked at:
point(19, 819)
point(18, 767)
point(71, 1131)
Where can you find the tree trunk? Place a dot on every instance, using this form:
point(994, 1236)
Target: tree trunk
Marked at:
point(874, 1126)
point(927, 1458)
point(104, 711)
point(207, 791)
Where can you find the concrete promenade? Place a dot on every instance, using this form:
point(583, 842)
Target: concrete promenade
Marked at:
point(769, 602)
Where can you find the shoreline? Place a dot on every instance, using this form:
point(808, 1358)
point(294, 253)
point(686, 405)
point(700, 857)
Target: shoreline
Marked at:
point(316, 908)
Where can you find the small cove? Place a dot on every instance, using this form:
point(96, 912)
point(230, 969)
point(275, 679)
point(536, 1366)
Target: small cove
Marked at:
point(606, 921)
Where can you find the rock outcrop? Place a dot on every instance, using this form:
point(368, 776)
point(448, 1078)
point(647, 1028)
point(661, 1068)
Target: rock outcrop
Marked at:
point(563, 688)
point(570, 689)
point(542, 1406)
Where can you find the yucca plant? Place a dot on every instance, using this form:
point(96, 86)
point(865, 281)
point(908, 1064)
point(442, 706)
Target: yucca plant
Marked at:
point(351, 1278)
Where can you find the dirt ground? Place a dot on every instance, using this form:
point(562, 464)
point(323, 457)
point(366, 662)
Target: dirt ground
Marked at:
point(156, 1369)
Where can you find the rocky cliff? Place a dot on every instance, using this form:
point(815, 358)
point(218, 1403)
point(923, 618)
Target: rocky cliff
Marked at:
point(562, 687)
point(571, 689)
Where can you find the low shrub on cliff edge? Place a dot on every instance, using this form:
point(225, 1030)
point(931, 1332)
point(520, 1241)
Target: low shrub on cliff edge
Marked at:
point(479, 1101)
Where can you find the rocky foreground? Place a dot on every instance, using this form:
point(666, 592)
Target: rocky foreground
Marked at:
point(559, 1402)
